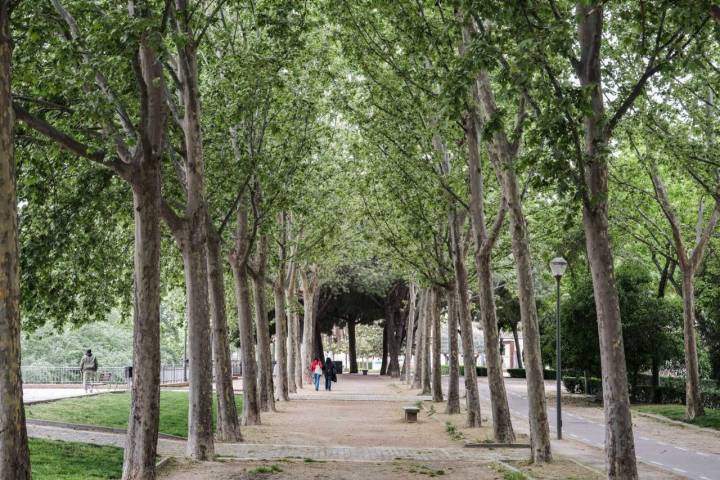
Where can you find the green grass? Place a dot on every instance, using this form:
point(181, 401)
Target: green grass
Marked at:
point(54, 460)
point(711, 419)
point(113, 409)
point(267, 469)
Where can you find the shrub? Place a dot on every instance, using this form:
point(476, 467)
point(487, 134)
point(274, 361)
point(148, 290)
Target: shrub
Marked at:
point(520, 373)
point(481, 371)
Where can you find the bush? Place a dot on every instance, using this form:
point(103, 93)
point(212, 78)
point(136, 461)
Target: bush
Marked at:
point(520, 373)
point(481, 371)
point(671, 390)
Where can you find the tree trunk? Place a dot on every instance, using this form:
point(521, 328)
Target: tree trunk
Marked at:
point(238, 261)
point(293, 341)
point(419, 349)
point(436, 345)
point(200, 444)
point(228, 424)
point(472, 395)
point(453, 398)
point(267, 396)
point(14, 455)
point(412, 311)
point(484, 242)
point(518, 352)
point(427, 340)
point(393, 342)
point(143, 421)
point(502, 155)
point(318, 349)
point(352, 345)
point(383, 363)
point(281, 338)
point(694, 399)
point(619, 441)
point(311, 296)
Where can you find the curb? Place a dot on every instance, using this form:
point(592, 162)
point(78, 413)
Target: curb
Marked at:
point(677, 423)
point(514, 469)
point(163, 464)
point(495, 445)
point(92, 428)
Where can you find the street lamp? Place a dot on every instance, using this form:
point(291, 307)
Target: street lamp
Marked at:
point(558, 266)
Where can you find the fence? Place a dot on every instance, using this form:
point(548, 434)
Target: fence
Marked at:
point(169, 374)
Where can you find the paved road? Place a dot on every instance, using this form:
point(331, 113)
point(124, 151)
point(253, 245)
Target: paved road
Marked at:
point(662, 453)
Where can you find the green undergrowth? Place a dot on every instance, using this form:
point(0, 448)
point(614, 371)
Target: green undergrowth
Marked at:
point(113, 409)
point(56, 460)
point(711, 419)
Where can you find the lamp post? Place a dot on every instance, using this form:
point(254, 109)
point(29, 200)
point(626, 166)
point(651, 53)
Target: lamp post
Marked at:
point(558, 266)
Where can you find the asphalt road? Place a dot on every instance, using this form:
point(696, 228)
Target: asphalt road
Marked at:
point(660, 452)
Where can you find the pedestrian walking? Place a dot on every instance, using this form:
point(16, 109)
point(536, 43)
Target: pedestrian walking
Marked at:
point(316, 370)
point(330, 373)
point(88, 367)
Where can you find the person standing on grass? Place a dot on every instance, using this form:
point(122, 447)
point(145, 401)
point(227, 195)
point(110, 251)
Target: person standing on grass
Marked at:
point(330, 373)
point(88, 367)
point(316, 370)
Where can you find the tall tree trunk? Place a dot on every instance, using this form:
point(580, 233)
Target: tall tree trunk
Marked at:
point(412, 312)
point(619, 441)
point(472, 394)
point(419, 348)
point(311, 295)
point(14, 455)
point(228, 423)
point(200, 443)
point(318, 350)
point(352, 345)
point(427, 341)
point(267, 396)
point(694, 399)
point(503, 155)
point(383, 363)
point(453, 396)
point(238, 262)
point(393, 343)
point(436, 345)
point(143, 421)
point(484, 243)
point(281, 339)
point(294, 367)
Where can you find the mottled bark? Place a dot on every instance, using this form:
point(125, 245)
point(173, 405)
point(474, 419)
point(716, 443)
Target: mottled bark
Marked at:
point(412, 313)
point(143, 421)
point(502, 155)
point(228, 423)
point(419, 349)
point(293, 342)
point(689, 263)
point(311, 295)
point(453, 395)
point(436, 345)
point(238, 261)
point(619, 440)
point(484, 243)
point(352, 345)
point(427, 342)
point(14, 455)
point(259, 278)
point(281, 339)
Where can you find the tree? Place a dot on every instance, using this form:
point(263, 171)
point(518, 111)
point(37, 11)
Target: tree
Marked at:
point(14, 454)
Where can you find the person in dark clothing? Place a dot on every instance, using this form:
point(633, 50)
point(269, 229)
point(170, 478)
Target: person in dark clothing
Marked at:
point(330, 373)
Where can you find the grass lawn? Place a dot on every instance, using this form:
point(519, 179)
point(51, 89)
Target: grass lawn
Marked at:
point(677, 412)
point(113, 409)
point(54, 460)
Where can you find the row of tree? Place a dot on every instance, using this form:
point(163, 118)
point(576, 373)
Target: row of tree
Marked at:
point(277, 141)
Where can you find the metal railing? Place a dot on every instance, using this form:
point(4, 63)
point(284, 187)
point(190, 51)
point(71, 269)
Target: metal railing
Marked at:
point(169, 374)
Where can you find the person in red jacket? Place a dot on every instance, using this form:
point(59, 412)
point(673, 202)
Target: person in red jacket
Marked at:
point(316, 370)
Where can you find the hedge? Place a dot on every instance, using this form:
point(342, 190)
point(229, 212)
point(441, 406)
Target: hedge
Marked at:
point(481, 371)
point(671, 390)
point(520, 373)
